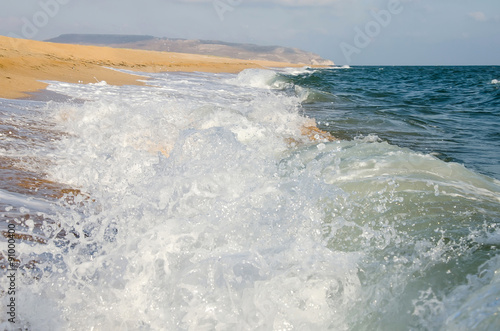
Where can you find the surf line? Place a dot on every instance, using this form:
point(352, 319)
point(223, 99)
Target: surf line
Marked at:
point(11, 273)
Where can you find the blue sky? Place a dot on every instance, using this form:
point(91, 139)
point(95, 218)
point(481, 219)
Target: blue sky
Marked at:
point(355, 32)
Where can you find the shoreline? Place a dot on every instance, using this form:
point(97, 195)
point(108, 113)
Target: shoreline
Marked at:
point(24, 64)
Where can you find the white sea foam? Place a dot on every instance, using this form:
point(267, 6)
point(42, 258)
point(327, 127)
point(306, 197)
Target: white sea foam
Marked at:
point(345, 66)
point(495, 81)
point(260, 78)
point(208, 221)
point(297, 71)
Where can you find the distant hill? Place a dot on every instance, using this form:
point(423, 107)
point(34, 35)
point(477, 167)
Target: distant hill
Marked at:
point(204, 47)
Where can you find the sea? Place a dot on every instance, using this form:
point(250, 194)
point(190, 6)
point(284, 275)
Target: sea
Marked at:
point(196, 202)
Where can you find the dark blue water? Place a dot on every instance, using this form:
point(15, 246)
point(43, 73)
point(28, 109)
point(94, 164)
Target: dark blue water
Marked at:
point(451, 112)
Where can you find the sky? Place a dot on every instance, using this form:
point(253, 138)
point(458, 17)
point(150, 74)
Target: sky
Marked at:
point(354, 32)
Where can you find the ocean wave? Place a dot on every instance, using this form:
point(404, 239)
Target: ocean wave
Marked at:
point(200, 205)
point(260, 78)
point(296, 71)
point(311, 95)
point(345, 66)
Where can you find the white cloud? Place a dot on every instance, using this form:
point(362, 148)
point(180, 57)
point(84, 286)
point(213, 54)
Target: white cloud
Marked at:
point(478, 16)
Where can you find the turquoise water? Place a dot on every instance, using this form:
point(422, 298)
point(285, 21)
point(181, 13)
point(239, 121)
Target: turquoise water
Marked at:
point(196, 203)
point(453, 112)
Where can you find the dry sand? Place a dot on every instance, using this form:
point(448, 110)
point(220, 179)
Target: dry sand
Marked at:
point(24, 63)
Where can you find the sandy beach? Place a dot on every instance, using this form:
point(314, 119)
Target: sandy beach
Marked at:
point(24, 64)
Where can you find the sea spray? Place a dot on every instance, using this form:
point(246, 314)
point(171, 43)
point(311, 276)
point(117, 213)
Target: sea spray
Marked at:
point(212, 207)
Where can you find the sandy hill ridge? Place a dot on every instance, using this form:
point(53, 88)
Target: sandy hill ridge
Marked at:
point(202, 47)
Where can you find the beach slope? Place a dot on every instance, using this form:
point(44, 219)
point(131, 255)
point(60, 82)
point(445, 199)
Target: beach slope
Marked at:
point(25, 64)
